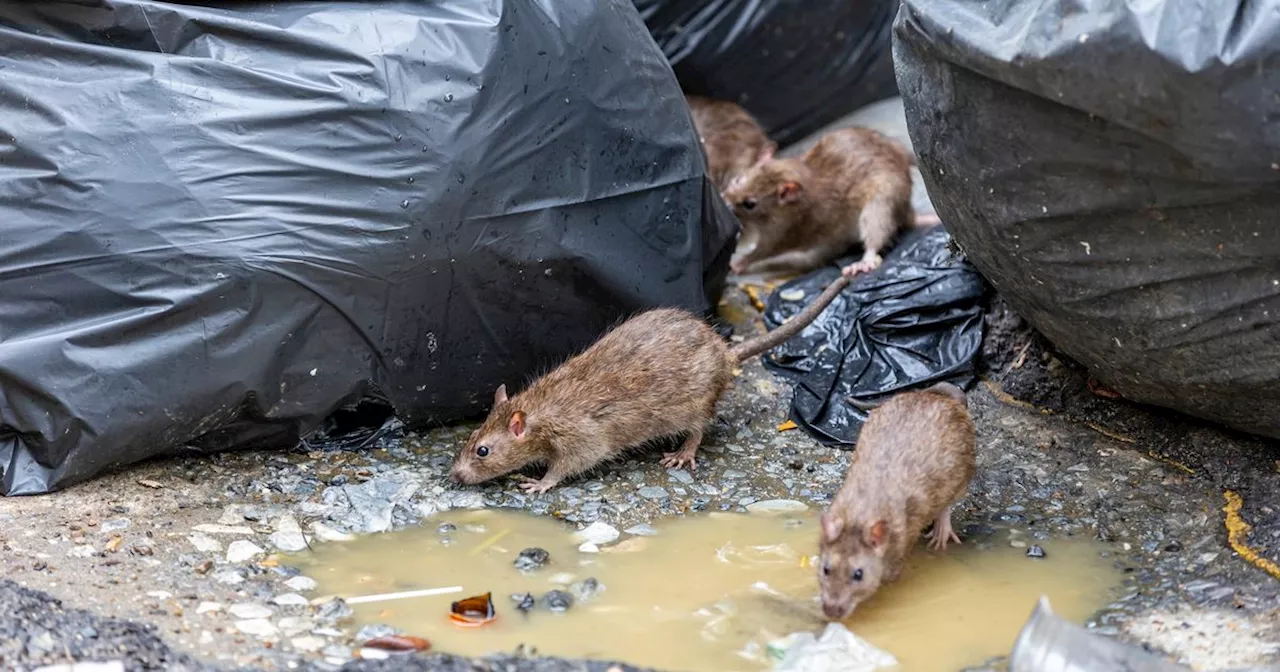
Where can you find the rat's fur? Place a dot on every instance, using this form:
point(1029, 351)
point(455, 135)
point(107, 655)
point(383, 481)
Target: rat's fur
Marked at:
point(731, 137)
point(853, 188)
point(659, 374)
point(913, 461)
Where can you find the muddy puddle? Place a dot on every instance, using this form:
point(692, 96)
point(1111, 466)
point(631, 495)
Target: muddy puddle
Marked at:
point(705, 592)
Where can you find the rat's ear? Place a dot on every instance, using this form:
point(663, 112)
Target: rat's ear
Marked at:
point(767, 152)
point(516, 424)
point(830, 527)
point(500, 395)
point(876, 534)
point(789, 191)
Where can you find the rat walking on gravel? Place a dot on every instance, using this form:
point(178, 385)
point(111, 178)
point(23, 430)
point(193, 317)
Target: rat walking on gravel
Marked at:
point(913, 461)
point(658, 374)
point(853, 188)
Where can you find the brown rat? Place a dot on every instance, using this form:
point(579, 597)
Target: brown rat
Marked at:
point(656, 375)
point(913, 462)
point(733, 139)
point(852, 188)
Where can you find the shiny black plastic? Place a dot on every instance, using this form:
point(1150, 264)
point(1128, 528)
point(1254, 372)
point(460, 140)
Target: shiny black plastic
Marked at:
point(1114, 171)
point(915, 322)
point(797, 65)
point(221, 222)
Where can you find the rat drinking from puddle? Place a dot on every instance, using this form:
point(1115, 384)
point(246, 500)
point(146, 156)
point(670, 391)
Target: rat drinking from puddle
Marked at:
point(913, 461)
point(658, 374)
point(853, 188)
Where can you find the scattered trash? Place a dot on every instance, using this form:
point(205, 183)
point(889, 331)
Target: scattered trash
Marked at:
point(531, 559)
point(1049, 643)
point(916, 321)
point(426, 592)
point(398, 643)
point(473, 611)
point(837, 650)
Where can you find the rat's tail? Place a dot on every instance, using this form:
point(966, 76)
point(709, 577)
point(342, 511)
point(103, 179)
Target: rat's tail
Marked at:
point(793, 326)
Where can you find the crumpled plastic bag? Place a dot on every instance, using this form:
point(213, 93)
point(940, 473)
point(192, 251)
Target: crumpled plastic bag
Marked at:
point(916, 321)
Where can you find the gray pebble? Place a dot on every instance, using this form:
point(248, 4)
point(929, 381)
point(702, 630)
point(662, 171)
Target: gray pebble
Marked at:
point(558, 600)
point(531, 558)
point(653, 492)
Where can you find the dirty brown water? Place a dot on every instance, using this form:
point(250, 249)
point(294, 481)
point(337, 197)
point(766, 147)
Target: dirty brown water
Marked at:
point(706, 592)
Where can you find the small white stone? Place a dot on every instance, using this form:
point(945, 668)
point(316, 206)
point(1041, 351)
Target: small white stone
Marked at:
point(257, 627)
point(290, 600)
point(208, 607)
point(374, 654)
point(223, 529)
point(288, 535)
point(777, 506)
point(204, 543)
point(249, 610)
point(301, 584)
point(229, 577)
point(231, 516)
point(325, 533)
point(307, 643)
point(588, 548)
point(242, 551)
point(598, 533)
point(292, 626)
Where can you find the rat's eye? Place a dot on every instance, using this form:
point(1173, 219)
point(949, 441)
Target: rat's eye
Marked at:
point(748, 204)
point(482, 451)
point(826, 569)
point(857, 575)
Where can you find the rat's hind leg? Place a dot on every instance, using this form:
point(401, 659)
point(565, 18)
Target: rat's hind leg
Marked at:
point(794, 261)
point(687, 455)
point(942, 532)
point(877, 227)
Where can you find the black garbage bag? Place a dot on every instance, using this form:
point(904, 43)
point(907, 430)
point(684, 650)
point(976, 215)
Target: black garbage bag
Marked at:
point(1116, 176)
point(222, 222)
point(797, 65)
point(915, 322)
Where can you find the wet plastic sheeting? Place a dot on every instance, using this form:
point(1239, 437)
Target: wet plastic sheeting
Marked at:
point(797, 65)
point(1116, 175)
point(915, 322)
point(223, 222)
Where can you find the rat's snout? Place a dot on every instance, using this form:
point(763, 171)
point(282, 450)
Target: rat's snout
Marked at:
point(835, 611)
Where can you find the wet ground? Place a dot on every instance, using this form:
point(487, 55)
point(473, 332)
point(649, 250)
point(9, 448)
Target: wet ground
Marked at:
point(178, 564)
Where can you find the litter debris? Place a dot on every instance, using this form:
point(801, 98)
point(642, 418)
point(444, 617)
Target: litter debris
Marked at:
point(398, 643)
point(1049, 643)
point(915, 321)
point(473, 611)
point(427, 592)
point(837, 649)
